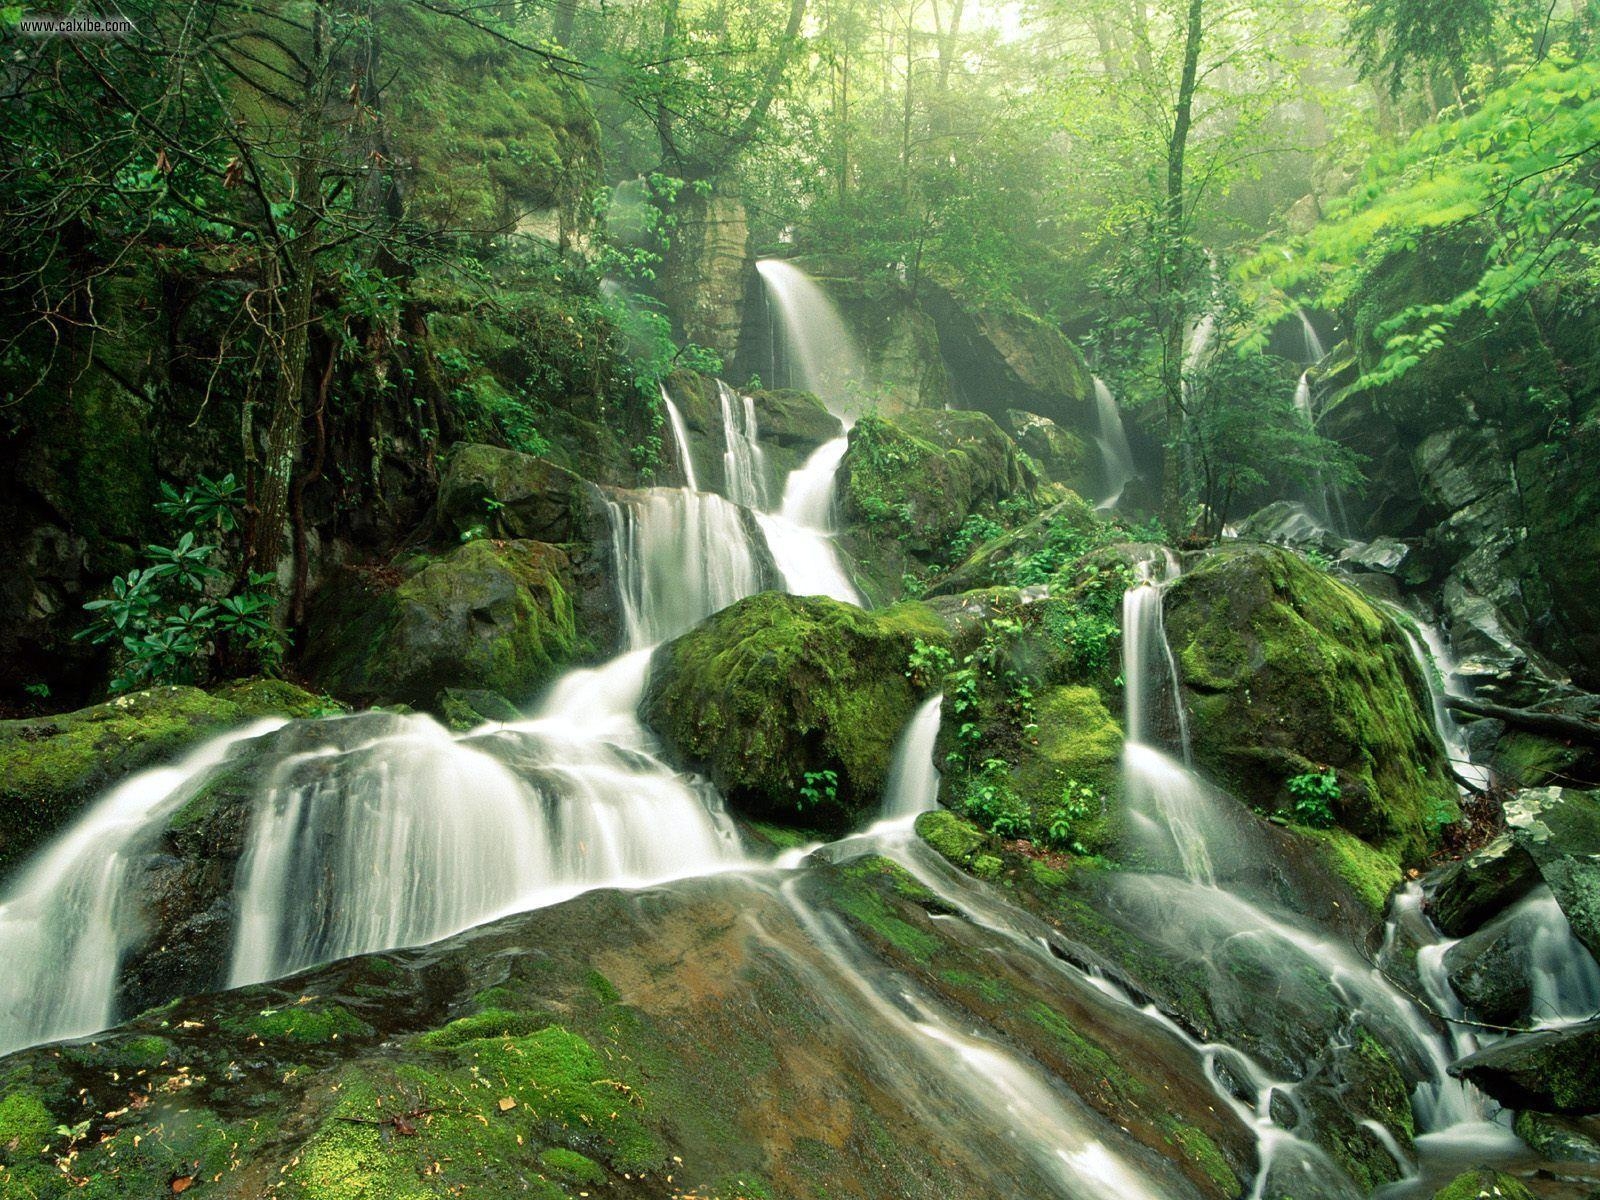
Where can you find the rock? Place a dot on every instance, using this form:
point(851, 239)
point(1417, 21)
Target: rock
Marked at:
point(1490, 658)
point(504, 494)
point(629, 1035)
point(1064, 457)
point(1491, 970)
point(1287, 671)
point(1560, 1139)
point(489, 615)
point(1009, 359)
point(1559, 829)
point(1383, 555)
point(467, 708)
point(1483, 1184)
point(776, 692)
point(794, 420)
point(1556, 1070)
point(708, 269)
point(51, 767)
point(1465, 894)
point(1290, 523)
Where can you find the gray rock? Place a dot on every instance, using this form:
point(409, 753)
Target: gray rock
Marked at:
point(1557, 1070)
point(1467, 893)
point(1491, 970)
point(1559, 829)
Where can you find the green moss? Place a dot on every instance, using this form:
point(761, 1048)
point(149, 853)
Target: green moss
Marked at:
point(1288, 671)
point(492, 1022)
point(572, 1167)
point(1078, 742)
point(1371, 873)
point(1379, 1087)
point(776, 688)
point(24, 1121)
point(1483, 1184)
point(863, 899)
point(1198, 1148)
point(313, 1023)
point(956, 838)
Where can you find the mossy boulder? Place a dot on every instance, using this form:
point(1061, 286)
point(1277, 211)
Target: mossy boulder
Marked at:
point(1559, 829)
point(1556, 1071)
point(791, 425)
point(1560, 1139)
point(504, 494)
point(1287, 672)
point(1071, 770)
point(1469, 891)
point(1039, 546)
point(1062, 455)
point(777, 693)
point(50, 767)
point(1483, 1184)
point(914, 480)
point(490, 615)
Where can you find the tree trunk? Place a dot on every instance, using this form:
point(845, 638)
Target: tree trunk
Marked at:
point(1175, 269)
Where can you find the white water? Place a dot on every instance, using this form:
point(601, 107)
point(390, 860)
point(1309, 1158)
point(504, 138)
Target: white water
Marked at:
point(800, 533)
point(821, 354)
point(1434, 660)
point(1116, 457)
point(1314, 351)
point(744, 464)
point(680, 557)
point(680, 440)
point(68, 919)
point(913, 785)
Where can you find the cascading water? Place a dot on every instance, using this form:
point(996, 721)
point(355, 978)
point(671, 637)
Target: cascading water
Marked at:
point(1433, 659)
point(68, 919)
point(1176, 812)
point(744, 465)
point(913, 785)
point(1314, 351)
point(680, 557)
point(799, 534)
point(1116, 457)
point(680, 440)
point(818, 354)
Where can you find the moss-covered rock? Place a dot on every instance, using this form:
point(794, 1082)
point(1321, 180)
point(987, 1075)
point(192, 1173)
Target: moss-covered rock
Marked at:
point(1559, 829)
point(1032, 552)
point(791, 425)
point(1466, 893)
point(500, 493)
point(50, 767)
point(914, 480)
point(777, 693)
point(1483, 1184)
point(1555, 1071)
point(496, 616)
point(1062, 455)
point(1561, 1139)
point(1288, 672)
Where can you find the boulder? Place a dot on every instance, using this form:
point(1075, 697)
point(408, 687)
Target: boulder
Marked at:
point(1492, 972)
point(791, 705)
point(501, 493)
point(1040, 546)
point(1063, 456)
point(1560, 1139)
point(791, 425)
point(51, 767)
point(1559, 829)
point(1557, 1070)
point(1287, 671)
point(491, 615)
point(1483, 1184)
point(1468, 892)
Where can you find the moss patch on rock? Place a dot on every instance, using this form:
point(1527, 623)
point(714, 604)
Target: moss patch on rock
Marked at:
point(1286, 672)
point(50, 767)
point(489, 615)
point(792, 705)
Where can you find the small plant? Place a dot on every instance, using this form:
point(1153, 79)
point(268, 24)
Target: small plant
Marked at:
point(928, 663)
point(1313, 795)
point(992, 801)
point(1078, 801)
point(820, 787)
point(166, 617)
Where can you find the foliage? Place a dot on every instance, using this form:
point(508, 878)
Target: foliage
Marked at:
point(820, 787)
point(928, 663)
point(990, 799)
point(167, 620)
point(1078, 801)
point(1313, 793)
point(1516, 177)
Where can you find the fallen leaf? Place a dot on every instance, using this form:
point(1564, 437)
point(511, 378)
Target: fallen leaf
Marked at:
point(507, 1103)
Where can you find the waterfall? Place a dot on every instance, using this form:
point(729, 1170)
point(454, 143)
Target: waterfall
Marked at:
point(744, 465)
point(1433, 660)
point(913, 785)
point(1174, 813)
point(1116, 458)
point(819, 353)
point(800, 533)
point(1314, 351)
point(68, 919)
point(406, 834)
point(680, 556)
point(680, 440)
